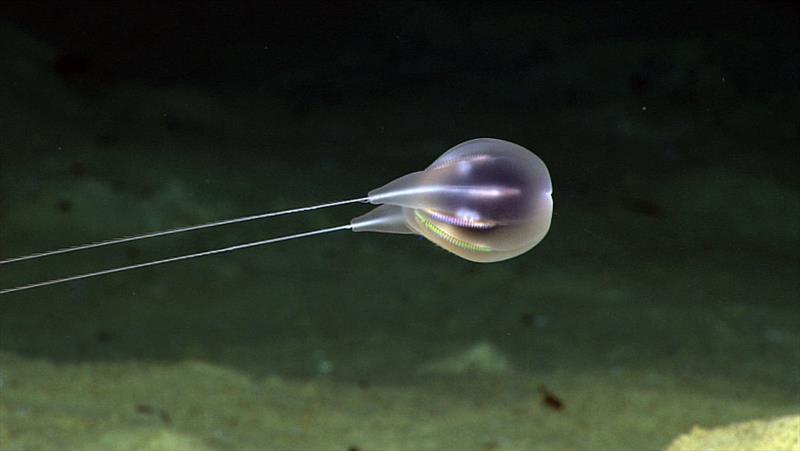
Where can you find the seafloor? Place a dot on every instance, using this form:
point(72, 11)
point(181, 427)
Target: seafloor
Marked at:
point(665, 296)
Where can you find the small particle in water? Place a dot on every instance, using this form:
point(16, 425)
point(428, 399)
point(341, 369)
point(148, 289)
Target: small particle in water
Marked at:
point(536, 320)
point(102, 336)
point(147, 409)
point(549, 399)
point(164, 417)
point(325, 367)
point(64, 206)
point(641, 206)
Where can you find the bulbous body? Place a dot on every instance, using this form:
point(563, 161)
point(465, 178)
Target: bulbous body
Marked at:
point(485, 200)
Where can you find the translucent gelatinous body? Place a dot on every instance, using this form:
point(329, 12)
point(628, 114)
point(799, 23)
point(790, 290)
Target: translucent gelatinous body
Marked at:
point(485, 200)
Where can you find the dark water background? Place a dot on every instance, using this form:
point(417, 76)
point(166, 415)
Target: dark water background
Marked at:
point(671, 132)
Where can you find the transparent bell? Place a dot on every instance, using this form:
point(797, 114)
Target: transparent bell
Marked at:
point(485, 200)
